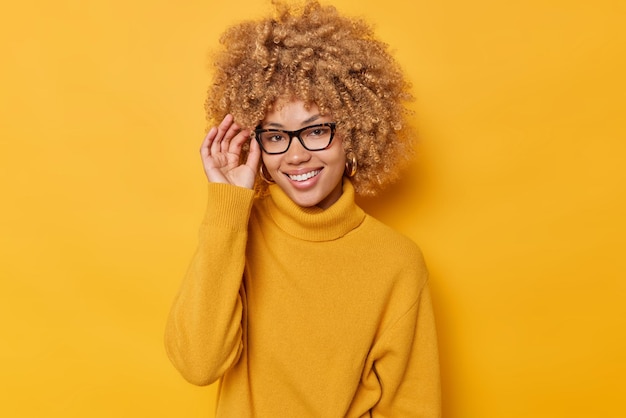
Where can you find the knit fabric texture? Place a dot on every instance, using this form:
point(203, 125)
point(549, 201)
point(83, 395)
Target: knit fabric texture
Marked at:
point(304, 312)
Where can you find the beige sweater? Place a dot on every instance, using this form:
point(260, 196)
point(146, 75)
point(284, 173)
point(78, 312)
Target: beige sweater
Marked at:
point(304, 312)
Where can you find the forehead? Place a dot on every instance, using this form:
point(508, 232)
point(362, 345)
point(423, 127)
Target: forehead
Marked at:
point(292, 112)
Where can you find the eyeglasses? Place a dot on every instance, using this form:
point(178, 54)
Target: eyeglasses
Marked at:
point(312, 138)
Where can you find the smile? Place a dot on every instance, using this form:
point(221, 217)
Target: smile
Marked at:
point(304, 176)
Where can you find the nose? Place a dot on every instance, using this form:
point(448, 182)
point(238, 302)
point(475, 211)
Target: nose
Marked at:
point(296, 153)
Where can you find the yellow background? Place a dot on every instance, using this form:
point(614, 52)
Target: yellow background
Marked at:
point(517, 199)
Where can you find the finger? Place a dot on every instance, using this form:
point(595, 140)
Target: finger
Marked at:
point(223, 127)
point(205, 148)
point(228, 136)
point(254, 155)
point(237, 142)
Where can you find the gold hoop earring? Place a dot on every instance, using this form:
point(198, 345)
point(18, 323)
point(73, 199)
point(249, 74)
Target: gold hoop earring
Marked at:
point(351, 164)
point(264, 175)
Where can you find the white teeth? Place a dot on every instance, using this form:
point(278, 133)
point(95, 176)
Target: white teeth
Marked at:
point(305, 176)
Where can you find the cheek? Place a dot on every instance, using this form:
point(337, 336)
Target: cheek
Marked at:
point(270, 162)
point(336, 155)
point(340, 159)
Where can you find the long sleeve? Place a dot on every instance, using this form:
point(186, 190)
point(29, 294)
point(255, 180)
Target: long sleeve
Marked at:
point(407, 365)
point(203, 336)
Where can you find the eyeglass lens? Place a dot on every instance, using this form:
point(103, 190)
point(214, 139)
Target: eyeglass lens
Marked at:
point(314, 138)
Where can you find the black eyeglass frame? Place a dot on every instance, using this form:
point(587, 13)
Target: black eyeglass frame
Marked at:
point(295, 134)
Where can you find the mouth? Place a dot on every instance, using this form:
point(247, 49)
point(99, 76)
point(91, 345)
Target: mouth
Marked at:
point(303, 176)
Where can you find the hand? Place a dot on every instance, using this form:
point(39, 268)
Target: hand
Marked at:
point(220, 154)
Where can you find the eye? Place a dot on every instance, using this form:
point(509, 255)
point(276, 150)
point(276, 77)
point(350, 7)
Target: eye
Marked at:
point(317, 131)
point(273, 136)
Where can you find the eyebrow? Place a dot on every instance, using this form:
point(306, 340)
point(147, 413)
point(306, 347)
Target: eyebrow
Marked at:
point(303, 123)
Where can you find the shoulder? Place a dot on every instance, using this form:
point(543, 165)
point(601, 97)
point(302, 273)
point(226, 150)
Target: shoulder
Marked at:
point(390, 242)
point(394, 268)
point(394, 253)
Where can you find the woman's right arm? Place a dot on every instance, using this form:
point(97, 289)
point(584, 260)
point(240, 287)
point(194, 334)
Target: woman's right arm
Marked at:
point(203, 336)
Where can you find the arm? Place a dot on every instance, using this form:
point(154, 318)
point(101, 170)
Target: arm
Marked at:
point(407, 364)
point(203, 332)
point(203, 336)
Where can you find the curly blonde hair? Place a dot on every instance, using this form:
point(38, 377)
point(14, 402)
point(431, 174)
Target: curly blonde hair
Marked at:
point(318, 56)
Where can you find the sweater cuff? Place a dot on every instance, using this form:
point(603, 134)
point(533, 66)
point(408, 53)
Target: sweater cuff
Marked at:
point(228, 206)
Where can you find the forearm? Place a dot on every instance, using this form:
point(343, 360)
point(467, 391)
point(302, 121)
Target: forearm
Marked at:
point(203, 332)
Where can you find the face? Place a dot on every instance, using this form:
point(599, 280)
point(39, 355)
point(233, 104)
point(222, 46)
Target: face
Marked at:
point(309, 178)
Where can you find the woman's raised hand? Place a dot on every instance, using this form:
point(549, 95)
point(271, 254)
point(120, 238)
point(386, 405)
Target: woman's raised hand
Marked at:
point(220, 154)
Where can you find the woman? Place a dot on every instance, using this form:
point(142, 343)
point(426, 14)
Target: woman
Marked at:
point(296, 300)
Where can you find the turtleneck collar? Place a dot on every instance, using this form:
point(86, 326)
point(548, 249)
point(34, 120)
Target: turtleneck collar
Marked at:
point(315, 224)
